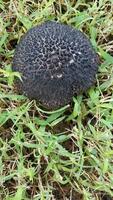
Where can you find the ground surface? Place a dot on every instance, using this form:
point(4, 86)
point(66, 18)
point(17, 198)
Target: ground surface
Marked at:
point(68, 153)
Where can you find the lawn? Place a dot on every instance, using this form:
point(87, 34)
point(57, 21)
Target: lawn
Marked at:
point(65, 154)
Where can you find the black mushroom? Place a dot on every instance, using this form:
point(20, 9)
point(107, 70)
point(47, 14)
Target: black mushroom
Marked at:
point(56, 62)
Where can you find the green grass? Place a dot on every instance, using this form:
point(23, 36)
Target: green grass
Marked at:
point(63, 154)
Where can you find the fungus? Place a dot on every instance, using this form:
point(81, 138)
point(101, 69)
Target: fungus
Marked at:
point(56, 62)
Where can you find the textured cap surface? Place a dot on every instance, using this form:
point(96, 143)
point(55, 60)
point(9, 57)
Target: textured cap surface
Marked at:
point(56, 61)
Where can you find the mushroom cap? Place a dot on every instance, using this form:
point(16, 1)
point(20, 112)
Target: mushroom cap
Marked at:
point(56, 62)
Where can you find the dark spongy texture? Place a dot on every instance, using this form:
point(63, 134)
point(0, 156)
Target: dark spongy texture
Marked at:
point(56, 62)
